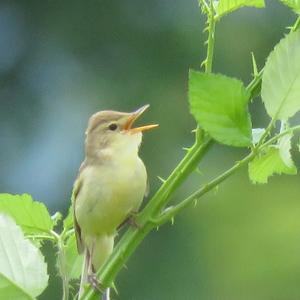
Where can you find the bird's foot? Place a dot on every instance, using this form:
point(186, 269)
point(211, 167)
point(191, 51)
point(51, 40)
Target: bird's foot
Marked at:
point(95, 283)
point(130, 220)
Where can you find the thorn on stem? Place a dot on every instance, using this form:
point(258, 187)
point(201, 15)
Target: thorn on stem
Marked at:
point(254, 65)
point(161, 179)
point(172, 221)
point(203, 64)
point(216, 189)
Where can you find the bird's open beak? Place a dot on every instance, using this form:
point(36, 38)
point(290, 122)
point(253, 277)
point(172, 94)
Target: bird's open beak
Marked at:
point(133, 117)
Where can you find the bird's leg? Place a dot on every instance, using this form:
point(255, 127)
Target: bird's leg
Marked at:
point(130, 220)
point(106, 295)
point(91, 277)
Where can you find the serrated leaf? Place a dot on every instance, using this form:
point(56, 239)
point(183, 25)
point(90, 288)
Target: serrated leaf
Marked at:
point(267, 164)
point(73, 259)
point(284, 145)
point(220, 106)
point(293, 4)
point(8, 290)
point(32, 216)
point(257, 134)
point(226, 6)
point(281, 78)
point(20, 261)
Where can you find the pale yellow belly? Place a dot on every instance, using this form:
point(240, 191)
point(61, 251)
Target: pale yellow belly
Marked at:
point(105, 201)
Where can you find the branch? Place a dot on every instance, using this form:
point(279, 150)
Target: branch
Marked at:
point(132, 238)
point(211, 26)
point(171, 212)
point(152, 215)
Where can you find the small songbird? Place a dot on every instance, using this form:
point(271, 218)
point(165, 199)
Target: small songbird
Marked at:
point(110, 186)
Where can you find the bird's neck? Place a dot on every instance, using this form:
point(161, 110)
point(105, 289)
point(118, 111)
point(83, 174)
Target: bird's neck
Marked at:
point(124, 149)
point(111, 156)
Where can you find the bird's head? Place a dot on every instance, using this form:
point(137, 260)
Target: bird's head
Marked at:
point(112, 133)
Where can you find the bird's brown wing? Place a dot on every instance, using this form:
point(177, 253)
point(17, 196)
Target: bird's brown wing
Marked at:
point(76, 190)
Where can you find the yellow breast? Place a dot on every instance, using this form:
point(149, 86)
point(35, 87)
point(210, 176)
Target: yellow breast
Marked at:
point(109, 193)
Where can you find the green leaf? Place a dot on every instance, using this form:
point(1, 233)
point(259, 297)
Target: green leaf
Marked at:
point(293, 4)
point(226, 6)
point(267, 164)
point(9, 290)
point(220, 106)
point(31, 215)
point(73, 260)
point(20, 261)
point(281, 78)
point(284, 145)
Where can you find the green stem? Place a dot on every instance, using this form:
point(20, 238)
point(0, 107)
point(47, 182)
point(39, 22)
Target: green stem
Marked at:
point(274, 119)
point(40, 237)
point(278, 136)
point(132, 238)
point(296, 25)
point(153, 211)
point(62, 265)
point(255, 85)
point(211, 26)
point(172, 211)
point(152, 215)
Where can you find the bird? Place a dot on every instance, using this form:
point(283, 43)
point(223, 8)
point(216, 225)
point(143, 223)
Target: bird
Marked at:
point(110, 186)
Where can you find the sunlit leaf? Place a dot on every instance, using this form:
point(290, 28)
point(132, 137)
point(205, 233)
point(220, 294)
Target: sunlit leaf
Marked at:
point(220, 106)
point(73, 260)
point(9, 290)
point(267, 164)
point(293, 4)
point(257, 134)
point(284, 145)
point(32, 216)
point(226, 6)
point(281, 78)
point(20, 261)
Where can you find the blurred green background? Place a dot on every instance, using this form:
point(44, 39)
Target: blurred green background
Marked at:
point(60, 61)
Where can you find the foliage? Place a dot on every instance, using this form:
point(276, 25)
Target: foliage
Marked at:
point(23, 272)
point(219, 105)
point(281, 79)
point(293, 4)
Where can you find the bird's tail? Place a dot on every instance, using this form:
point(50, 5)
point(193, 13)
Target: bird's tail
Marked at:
point(96, 252)
point(84, 271)
point(101, 249)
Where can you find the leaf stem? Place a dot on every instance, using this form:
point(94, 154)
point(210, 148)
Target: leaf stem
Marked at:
point(63, 268)
point(61, 261)
point(173, 211)
point(153, 215)
point(278, 136)
point(255, 85)
point(211, 26)
point(132, 238)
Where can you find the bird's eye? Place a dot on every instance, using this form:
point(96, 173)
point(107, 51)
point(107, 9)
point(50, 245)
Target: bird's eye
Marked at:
point(113, 126)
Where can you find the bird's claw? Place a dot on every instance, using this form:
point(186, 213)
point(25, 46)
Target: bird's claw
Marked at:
point(95, 283)
point(131, 220)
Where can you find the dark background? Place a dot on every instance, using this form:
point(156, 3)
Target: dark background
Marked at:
point(61, 61)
